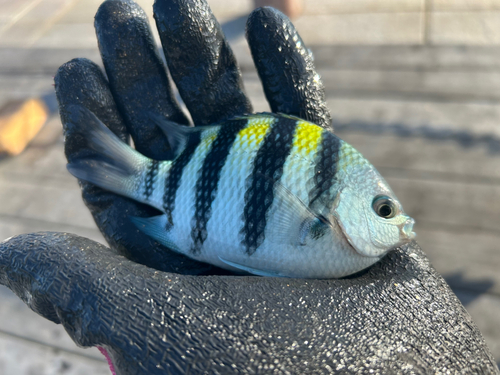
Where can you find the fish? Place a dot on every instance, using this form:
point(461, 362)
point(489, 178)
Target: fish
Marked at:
point(264, 194)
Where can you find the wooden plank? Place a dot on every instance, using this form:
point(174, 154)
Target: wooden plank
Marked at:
point(412, 85)
point(448, 203)
point(474, 161)
point(222, 9)
point(34, 23)
point(465, 5)
point(468, 259)
point(65, 35)
point(11, 225)
point(38, 164)
point(20, 87)
point(254, 90)
point(22, 62)
point(12, 9)
point(464, 27)
point(409, 57)
point(22, 357)
point(44, 203)
point(432, 120)
point(43, 161)
point(362, 6)
point(18, 321)
point(50, 134)
point(484, 312)
point(362, 28)
point(43, 158)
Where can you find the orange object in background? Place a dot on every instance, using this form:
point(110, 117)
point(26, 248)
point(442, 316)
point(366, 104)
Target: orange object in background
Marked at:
point(292, 8)
point(20, 122)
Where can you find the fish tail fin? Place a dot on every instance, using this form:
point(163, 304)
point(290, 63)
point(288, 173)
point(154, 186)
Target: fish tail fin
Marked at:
point(113, 165)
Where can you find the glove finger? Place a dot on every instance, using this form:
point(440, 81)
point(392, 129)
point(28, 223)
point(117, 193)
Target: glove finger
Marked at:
point(200, 61)
point(81, 82)
point(297, 89)
point(136, 73)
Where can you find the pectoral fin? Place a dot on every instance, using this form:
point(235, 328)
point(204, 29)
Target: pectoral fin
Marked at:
point(293, 222)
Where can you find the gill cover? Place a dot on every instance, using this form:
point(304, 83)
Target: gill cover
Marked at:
point(369, 234)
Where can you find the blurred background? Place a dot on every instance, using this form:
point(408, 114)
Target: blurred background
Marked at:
point(412, 84)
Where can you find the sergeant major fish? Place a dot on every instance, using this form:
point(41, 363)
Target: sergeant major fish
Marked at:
point(268, 194)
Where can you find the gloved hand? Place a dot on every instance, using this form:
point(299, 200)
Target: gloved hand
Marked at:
point(158, 312)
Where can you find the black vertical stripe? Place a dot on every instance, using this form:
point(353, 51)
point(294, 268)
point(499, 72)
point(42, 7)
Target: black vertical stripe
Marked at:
point(173, 180)
point(267, 170)
point(325, 169)
point(208, 180)
point(150, 178)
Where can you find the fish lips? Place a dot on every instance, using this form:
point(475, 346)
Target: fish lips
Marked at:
point(408, 229)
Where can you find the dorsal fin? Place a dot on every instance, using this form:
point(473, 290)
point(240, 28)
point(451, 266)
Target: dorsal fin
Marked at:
point(178, 135)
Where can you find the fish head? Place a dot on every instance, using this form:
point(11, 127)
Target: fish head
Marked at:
point(369, 214)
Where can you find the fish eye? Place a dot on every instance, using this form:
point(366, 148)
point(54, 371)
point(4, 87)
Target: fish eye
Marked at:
point(384, 207)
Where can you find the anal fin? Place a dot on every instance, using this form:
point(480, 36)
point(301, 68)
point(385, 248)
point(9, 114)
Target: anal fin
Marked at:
point(158, 228)
point(255, 271)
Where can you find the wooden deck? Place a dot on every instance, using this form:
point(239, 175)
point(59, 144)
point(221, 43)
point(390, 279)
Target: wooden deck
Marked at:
point(428, 117)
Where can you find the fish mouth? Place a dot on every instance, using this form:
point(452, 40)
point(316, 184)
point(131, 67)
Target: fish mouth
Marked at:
point(408, 229)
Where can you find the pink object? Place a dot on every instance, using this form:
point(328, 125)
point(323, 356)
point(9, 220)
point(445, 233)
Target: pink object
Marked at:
point(108, 358)
point(292, 8)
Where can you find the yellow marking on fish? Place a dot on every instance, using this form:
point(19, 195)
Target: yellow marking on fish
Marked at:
point(210, 138)
point(253, 134)
point(349, 157)
point(307, 137)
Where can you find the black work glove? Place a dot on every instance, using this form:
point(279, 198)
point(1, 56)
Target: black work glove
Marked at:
point(158, 312)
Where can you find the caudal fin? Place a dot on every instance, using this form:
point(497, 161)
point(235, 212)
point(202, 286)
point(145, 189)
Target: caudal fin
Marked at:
point(113, 165)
